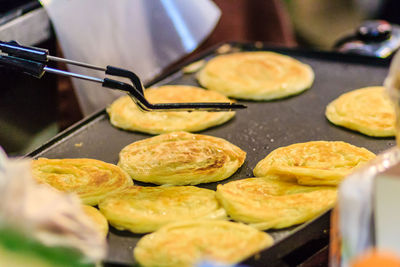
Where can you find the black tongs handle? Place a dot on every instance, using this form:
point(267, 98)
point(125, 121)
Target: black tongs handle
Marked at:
point(28, 60)
point(26, 66)
point(12, 48)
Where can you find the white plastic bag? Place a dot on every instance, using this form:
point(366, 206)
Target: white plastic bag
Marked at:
point(143, 36)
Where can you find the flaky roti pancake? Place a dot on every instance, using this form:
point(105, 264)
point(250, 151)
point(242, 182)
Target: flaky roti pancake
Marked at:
point(256, 75)
point(125, 114)
point(181, 158)
point(367, 110)
point(91, 179)
point(269, 202)
point(188, 243)
point(146, 209)
point(98, 219)
point(314, 163)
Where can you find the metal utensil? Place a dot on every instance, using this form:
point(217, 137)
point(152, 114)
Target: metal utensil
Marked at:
point(33, 61)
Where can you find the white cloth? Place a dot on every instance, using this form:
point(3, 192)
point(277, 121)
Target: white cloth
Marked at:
point(143, 36)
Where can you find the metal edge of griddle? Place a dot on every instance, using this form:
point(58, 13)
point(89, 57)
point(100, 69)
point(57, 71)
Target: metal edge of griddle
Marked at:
point(306, 232)
point(313, 53)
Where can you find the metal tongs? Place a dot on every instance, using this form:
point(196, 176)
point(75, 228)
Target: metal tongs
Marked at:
point(33, 61)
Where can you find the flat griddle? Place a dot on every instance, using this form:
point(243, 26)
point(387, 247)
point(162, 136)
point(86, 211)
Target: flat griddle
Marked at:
point(261, 128)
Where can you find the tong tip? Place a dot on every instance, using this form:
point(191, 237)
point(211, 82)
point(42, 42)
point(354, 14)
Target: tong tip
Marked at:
point(211, 106)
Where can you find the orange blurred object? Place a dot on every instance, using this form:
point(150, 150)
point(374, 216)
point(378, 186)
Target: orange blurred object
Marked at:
point(374, 258)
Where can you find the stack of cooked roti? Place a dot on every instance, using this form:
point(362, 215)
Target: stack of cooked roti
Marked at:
point(296, 183)
point(190, 224)
point(176, 161)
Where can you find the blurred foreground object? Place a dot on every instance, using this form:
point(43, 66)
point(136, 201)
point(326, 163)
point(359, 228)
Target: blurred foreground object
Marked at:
point(367, 215)
point(377, 258)
point(353, 229)
point(40, 224)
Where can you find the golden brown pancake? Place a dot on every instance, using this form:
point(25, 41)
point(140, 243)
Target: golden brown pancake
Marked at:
point(125, 114)
point(146, 209)
point(256, 75)
point(91, 179)
point(194, 66)
point(188, 243)
point(99, 221)
point(269, 202)
point(314, 163)
point(181, 158)
point(367, 110)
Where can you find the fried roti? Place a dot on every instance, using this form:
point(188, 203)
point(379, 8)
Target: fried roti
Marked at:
point(366, 110)
point(125, 114)
point(91, 179)
point(269, 202)
point(146, 209)
point(181, 158)
point(188, 243)
point(314, 163)
point(98, 219)
point(256, 75)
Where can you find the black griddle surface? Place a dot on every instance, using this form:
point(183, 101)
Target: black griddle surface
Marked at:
point(261, 128)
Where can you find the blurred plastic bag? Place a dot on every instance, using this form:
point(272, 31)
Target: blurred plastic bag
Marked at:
point(42, 213)
point(143, 36)
point(355, 233)
point(353, 229)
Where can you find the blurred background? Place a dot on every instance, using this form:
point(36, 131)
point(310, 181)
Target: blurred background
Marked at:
point(32, 111)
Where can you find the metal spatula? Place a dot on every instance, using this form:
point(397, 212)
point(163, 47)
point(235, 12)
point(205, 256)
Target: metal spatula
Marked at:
point(33, 61)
